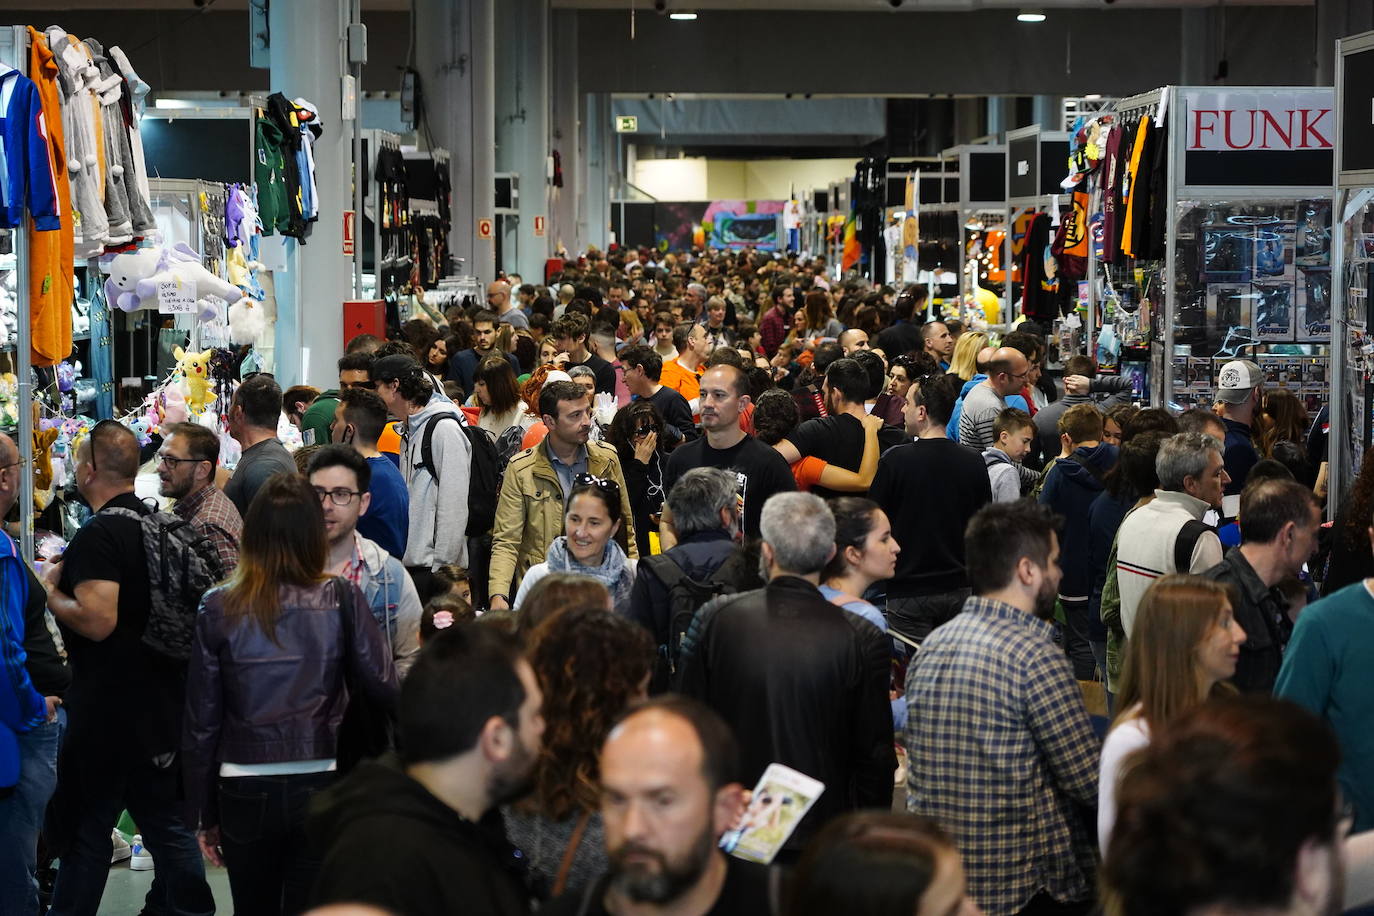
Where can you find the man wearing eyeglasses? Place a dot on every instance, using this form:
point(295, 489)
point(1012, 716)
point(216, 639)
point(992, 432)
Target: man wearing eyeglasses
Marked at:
point(186, 465)
point(1007, 373)
point(498, 300)
point(341, 478)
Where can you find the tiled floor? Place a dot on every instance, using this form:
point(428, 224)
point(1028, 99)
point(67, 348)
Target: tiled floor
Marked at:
point(125, 889)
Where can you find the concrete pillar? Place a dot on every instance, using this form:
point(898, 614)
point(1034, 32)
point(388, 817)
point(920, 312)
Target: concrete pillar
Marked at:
point(522, 126)
point(1337, 19)
point(1001, 115)
point(565, 219)
point(454, 45)
point(1198, 59)
point(1048, 112)
point(307, 61)
point(596, 128)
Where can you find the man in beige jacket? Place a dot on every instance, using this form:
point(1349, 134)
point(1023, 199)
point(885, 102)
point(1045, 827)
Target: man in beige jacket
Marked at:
point(529, 512)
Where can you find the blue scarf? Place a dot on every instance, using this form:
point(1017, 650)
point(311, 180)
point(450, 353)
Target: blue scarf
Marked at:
point(613, 572)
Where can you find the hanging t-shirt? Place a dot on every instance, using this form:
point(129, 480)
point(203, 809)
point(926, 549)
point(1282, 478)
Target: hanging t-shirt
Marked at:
point(1111, 190)
point(1134, 191)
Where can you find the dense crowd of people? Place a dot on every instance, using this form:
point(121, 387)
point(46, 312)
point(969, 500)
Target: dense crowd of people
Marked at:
point(552, 583)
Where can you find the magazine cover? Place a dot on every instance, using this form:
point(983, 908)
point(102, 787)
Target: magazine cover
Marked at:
point(780, 800)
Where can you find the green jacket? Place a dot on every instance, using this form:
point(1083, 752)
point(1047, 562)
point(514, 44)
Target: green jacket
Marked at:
point(317, 418)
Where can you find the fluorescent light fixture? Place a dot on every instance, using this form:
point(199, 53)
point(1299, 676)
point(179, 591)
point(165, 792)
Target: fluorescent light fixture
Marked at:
point(683, 17)
point(1030, 16)
point(1092, 97)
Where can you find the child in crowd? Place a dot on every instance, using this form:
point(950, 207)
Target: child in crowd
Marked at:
point(1015, 431)
point(454, 581)
point(442, 612)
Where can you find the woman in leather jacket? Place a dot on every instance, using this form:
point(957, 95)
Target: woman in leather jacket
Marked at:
point(277, 648)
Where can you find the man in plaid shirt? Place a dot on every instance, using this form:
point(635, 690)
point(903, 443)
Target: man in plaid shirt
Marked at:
point(186, 465)
point(1001, 752)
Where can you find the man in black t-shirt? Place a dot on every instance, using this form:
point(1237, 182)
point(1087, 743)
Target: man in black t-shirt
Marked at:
point(669, 780)
point(838, 439)
point(643, 369)
point(125, 702)
point(929, 489)
point(760, 469)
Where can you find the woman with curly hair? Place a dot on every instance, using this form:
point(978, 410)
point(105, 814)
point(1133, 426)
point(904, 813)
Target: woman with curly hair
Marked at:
point(592, 665)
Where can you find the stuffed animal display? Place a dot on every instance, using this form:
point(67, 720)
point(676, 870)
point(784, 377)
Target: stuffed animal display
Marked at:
point(134, 277)
point(195, 369)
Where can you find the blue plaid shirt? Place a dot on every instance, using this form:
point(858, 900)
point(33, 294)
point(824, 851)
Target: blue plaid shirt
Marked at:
point(1003, 757)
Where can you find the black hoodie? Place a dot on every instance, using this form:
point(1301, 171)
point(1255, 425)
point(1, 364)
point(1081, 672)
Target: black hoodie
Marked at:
point(390, 843)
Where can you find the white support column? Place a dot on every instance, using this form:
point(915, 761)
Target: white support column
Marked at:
point(522, 126)
point(455, 44)
point(567, 221)
point(309, 61)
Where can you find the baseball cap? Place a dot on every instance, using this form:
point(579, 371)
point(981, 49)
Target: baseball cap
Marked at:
point(390, 368)
point(1237, 379)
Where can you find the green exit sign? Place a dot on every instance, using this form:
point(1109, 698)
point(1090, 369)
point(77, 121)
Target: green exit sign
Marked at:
point(626, 124)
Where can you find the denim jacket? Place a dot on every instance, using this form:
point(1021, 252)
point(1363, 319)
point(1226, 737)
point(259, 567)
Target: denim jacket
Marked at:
point(395, 603)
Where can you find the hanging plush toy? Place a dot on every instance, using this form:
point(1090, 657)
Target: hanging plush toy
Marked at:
point(247, 321)
point(194, 368)
point(174, 405)
point(125, 272)
point(183, 265)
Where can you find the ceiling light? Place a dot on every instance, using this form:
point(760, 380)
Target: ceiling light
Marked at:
point(682, 17)
point(1030, 16)
point(1093, 97)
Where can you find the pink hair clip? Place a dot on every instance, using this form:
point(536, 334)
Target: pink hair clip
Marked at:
point(443, 620)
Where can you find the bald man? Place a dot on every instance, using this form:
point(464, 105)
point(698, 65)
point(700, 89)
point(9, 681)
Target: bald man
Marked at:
point(938, 342)
point(853, 339)
point(125, 702)
point(1007, 371)
point(35, 685)
point(670, 789)
point(498, 300)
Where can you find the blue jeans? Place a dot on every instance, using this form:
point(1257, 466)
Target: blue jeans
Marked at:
point(21, 815)
point(98, 783)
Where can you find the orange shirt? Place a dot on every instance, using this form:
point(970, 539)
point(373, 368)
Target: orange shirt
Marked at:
point(683, 382)
point(389, 440)
point(807, 472)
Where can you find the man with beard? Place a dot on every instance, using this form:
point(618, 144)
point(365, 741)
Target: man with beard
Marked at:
point(422, 835)
point(1235, 808)
point(1002, 754)
point(669, 790)
point(186, 465)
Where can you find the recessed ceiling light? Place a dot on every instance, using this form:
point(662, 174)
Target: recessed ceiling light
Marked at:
point(682, 17)
point(1030, 16)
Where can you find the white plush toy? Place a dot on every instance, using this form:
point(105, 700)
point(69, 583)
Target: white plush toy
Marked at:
point(182, 264)
point(126, 271)
point(247, 321)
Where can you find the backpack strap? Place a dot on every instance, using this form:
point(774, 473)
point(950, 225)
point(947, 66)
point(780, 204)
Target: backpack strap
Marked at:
point(1097, 475)
point(427, 443)
point(665, 568)
point(1185, 543)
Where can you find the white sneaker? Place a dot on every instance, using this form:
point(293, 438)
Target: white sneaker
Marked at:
point(140, 858)
point(121, 849)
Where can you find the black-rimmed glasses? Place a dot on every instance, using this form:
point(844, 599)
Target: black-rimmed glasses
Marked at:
point(340, 496)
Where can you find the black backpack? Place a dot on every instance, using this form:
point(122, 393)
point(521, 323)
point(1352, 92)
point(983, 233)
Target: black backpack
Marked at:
point(183, 565)
point(685, 596)
point(484, 482)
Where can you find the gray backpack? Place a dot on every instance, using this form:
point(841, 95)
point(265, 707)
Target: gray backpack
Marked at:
point(182, 566)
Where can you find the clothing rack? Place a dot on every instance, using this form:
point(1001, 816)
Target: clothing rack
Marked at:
point(14, 51)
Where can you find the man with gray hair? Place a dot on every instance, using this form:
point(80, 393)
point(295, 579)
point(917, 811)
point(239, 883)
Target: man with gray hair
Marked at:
point(799, 680)
point(669, 587)
point(1167, 534)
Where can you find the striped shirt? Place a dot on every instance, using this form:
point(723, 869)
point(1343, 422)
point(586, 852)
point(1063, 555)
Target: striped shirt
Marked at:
point(979, 413)
point(1003, 757)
